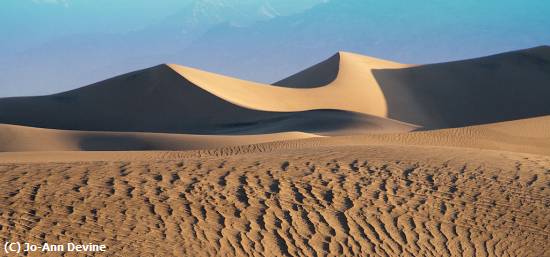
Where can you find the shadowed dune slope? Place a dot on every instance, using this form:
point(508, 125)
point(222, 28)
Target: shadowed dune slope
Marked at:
point(163, 99)
point(525, 136)
point(343, 66)
point(317, 75)
point(501, 87)
point(14, 138)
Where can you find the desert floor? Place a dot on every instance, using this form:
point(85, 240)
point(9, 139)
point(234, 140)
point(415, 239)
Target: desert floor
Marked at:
point(325, 201)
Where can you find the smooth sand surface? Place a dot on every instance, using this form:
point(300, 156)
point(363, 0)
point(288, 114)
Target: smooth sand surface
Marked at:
point(502, 87)
point(354, 88)
point(528, 136)
point(508, 86)
point(15, 138)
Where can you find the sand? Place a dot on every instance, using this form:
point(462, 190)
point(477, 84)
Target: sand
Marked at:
point(15, 138)
point(525, 136)
point(198, 102)
point(355, 156)
point(330, 201)
point(490, 89)
point(354, 88)
point(501, 87)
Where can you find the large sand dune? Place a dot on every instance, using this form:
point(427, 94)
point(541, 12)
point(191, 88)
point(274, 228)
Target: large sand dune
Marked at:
point(501, 87)
point(178, 99)
point(354, 88)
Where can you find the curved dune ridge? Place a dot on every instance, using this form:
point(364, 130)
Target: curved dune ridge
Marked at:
point(354, 88)
point(495, 88)
point(177, 99)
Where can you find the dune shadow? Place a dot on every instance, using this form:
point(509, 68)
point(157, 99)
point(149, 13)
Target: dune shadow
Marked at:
point(114, 143)
point(317, 75)
point(502, 87)
point(324, 122)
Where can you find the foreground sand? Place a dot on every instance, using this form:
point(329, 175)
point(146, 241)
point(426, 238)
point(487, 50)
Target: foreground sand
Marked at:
point(325, 201)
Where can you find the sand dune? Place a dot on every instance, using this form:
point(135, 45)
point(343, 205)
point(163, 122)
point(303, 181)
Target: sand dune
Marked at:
point(177, 99)
point(523, 136)
point(502, 87)
point(354, 88)
point(15, 138)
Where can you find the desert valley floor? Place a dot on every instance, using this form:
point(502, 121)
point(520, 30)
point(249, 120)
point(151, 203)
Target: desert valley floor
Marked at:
point(354, 156)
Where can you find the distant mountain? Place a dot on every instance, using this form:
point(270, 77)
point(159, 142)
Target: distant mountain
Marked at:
point(199, 16)
point(46, 49)
point(404, 31)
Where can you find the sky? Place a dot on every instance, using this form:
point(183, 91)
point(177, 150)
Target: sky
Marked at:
point(50, 46)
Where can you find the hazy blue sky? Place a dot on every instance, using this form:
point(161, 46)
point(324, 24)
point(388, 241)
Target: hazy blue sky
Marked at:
point(48, 46)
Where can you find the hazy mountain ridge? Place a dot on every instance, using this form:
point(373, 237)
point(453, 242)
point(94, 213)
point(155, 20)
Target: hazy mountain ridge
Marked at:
point(112, 50)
